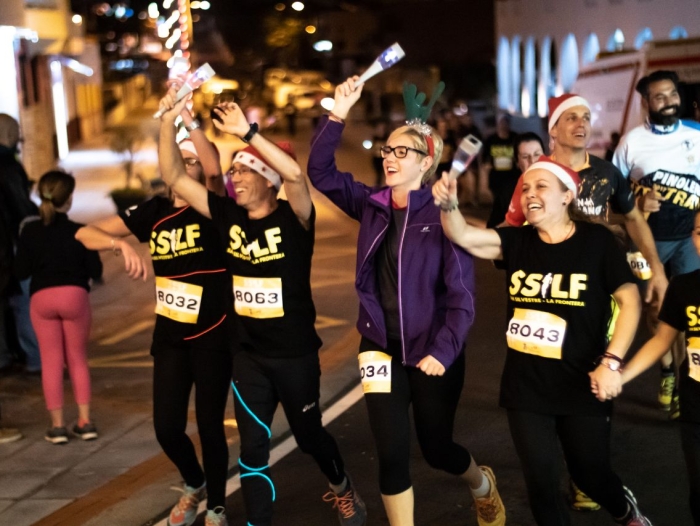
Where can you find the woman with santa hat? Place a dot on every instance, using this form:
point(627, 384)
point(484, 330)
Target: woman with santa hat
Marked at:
point(561, 271)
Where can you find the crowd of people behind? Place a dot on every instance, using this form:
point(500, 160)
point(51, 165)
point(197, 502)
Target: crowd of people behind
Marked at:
point(581, 241)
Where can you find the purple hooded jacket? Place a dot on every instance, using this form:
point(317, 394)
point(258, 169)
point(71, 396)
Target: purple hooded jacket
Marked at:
point(436, 277)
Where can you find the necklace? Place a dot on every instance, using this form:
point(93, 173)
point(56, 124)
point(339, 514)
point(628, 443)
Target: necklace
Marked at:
point(571, 231)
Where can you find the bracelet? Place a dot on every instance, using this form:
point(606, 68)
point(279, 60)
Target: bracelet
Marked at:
point(451, 207)
point(332, 116)
point(251, 132)
point(612, 362)
point(192, 126)
point(117, 251)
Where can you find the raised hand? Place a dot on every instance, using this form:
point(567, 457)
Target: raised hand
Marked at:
point(169, 107)
point(233, 120)
point(346, 95)
point(445, 191)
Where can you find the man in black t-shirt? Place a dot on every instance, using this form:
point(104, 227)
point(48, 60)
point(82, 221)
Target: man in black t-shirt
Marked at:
point(269, 244)
point(498, 157)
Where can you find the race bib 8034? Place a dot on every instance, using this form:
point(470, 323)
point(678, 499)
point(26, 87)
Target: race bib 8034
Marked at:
point(375, 372)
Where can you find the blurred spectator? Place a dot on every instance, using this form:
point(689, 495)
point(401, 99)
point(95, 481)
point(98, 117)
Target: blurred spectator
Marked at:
point(614, 141)
point(379, 136)
point(15, 207)
point(449, 145)
point(498, 155)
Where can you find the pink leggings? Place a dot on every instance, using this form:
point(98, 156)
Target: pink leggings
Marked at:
point(61, 318)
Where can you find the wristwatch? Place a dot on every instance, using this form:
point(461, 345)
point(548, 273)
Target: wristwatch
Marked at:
point(192, 126)
point(612, 364)
point(251, 132)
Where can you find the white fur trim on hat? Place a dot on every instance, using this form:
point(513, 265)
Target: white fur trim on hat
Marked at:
point(256, 163)
point(188, 146)
point(564, 105)
point(559, 172)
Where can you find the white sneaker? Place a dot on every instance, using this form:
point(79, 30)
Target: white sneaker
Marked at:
point(184, 513)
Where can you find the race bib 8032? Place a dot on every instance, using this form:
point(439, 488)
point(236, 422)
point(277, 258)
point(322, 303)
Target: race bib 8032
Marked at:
point(177, 300)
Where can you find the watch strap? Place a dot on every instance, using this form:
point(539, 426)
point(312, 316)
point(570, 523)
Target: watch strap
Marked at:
point(251, 132)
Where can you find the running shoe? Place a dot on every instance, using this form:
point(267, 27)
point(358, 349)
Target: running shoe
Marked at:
point(668, 383)
point(490, 510)
point(184, 513)
point(580, 501)
point(636, 519)
point(675, 406)
point(351, 508)
point(57, 435)
point(86, 431)
point(9, 434)
point(216, 517)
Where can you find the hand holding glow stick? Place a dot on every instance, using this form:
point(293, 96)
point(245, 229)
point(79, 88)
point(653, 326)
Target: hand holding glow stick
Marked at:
point(468, 149)
point(388, 58)
point(199, 77)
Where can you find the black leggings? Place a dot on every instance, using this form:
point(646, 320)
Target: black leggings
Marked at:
point(690, 437)
point(260, 384)
point(585, 441)
point(175, 371)
point(434, 400)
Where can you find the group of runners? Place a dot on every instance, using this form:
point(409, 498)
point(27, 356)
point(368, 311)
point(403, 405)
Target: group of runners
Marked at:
point(234, 304)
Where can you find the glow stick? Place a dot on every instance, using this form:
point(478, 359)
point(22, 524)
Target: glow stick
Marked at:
point(388, 58)
point(199, 77)
point(468, 149)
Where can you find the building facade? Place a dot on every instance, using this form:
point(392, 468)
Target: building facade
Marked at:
point(542, 44)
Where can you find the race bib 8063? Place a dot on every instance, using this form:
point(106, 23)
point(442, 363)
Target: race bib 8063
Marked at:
point(258, 297)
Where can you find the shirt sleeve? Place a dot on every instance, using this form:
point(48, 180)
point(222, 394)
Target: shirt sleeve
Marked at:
point(672, 311)
point(620, 158)
point(616, 270)
point(622, 199)
point(141, 218)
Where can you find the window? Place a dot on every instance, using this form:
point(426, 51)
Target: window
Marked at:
point(616, 42)
point(590, 49)
point(503, 69)
point(678, 32)
point(568, 69)
point(643, 36)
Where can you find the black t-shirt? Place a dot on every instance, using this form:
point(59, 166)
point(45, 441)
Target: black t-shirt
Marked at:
point(193, 299)
point(269, 260)
point(499, 153)
point(602, 184)
point(388, 273)
point(681, 310)
point(52, 257)
point(558, 311)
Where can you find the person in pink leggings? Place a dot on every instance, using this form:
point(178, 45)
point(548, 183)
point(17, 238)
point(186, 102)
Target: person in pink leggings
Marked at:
point(60, 269)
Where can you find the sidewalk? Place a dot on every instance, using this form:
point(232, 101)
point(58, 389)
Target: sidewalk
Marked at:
point(123, 478)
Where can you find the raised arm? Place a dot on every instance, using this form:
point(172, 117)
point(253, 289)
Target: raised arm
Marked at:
point(208, 156)
point(234, 122)
point(108, 234)
point(480, 242)
point(172, 167)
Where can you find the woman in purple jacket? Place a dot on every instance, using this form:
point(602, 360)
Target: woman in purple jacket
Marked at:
point(406, 268)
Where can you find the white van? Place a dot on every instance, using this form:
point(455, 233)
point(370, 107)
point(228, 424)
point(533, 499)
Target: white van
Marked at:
point(608, 85)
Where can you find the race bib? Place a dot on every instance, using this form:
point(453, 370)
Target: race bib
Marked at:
point(640, 266)
point(535, 332)
point(503, 163)
point(694, 358)
point(259, 298)
point(177, 300)
point(375, 372)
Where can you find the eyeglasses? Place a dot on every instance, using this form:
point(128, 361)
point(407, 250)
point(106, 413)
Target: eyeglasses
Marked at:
point(399, 151)
point(190, 162)
point(243, 170)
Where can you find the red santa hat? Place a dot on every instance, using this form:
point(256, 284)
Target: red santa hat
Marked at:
point(558, 105)
point(566, 175)
point(251, 158)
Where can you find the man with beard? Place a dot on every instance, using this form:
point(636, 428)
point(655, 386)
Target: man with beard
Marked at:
point(661, 158)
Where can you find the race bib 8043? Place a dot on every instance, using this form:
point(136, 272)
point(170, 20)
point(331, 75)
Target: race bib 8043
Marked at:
point(536, 332)
point(258, 297)
point(177, 300)
point(375, 372)
point(694, 358)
